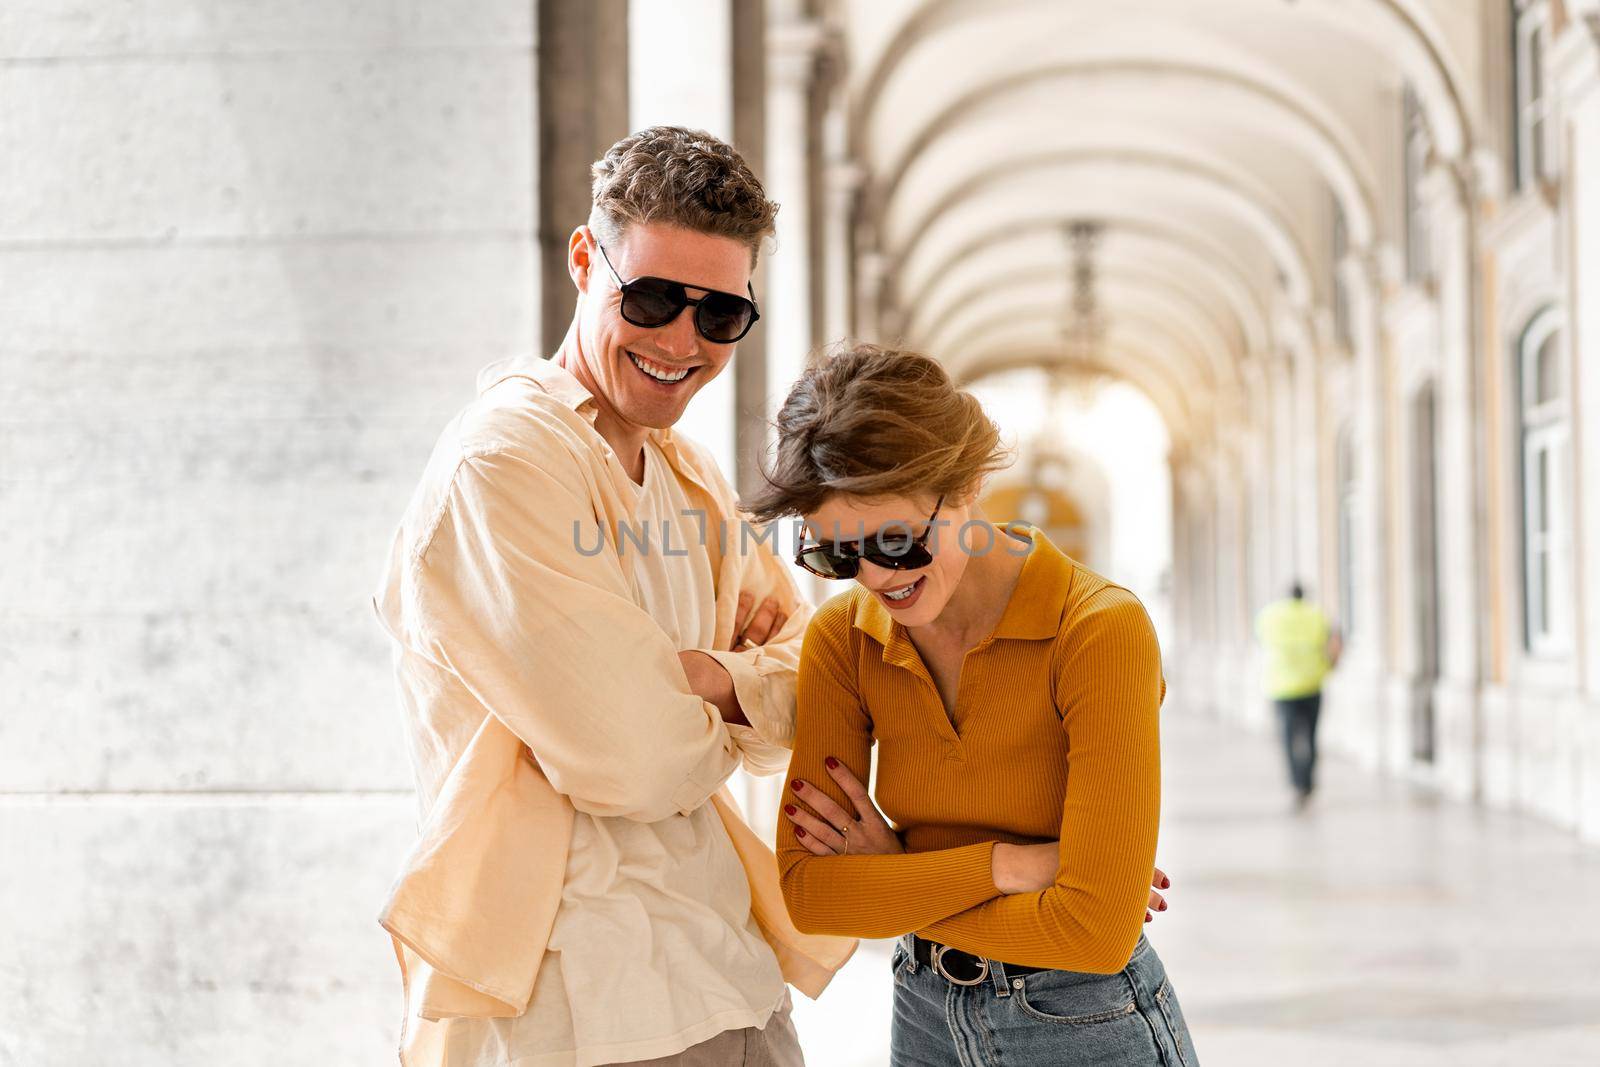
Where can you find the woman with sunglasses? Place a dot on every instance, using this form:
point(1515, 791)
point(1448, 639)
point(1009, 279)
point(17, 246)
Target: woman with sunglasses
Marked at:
point(1013, 695)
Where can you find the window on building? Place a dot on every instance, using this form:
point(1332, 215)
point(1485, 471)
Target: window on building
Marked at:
point(1345, 462)
point(1415, 161)
point(1542, 395)
point(1534, 145)
point(1340, 247)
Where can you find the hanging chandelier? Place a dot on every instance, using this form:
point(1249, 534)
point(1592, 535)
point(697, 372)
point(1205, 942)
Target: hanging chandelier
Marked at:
point(1078, 371)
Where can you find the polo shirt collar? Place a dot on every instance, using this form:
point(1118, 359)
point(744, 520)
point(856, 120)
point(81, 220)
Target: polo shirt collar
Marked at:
point(1034, 610)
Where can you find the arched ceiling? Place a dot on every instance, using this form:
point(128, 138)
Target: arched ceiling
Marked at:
point(1211, 140)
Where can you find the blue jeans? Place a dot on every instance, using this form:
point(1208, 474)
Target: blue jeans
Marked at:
point(1044, 1019)
point(1298, 718)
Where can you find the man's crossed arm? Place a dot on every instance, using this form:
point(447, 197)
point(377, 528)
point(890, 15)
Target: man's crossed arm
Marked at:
point(709, 679)
point(549, 639)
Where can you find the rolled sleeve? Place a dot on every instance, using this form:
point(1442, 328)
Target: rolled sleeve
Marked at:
point(764, 682)
point(764, 677)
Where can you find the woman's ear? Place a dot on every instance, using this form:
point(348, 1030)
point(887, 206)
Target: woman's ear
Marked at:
point(968, 495)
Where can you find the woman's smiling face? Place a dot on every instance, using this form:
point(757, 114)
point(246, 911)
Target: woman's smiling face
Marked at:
point(913, 597)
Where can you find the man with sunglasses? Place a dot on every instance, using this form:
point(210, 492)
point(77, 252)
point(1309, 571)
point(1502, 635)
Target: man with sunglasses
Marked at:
point(586, 649)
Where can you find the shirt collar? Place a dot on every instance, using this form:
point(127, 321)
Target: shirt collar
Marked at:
point(566, 389)
point(1034, 611)
point(551, 376)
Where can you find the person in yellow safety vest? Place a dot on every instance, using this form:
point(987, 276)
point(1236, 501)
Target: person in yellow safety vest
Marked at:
point(1302, 646)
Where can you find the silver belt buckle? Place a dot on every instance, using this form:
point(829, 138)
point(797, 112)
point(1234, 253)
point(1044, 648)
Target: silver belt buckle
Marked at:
point(938, 965)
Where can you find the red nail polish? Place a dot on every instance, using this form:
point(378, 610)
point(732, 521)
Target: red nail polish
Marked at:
point(831, 762)
point(1163, 906)
point(789, 809)
point(1147, 917)
point(795, 785)
point(799, 831)
point(1166, 883)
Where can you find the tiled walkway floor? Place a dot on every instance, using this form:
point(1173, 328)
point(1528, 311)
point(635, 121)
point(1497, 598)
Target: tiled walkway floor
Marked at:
point(1380, 928)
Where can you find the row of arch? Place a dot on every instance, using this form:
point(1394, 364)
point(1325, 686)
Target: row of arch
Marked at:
point(1205, 264)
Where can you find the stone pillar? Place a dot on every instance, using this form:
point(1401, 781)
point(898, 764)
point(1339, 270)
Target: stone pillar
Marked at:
point(795, 47)
point(843, 179)
point(871, 274)
point(1222, 574)
point(1233, 630)
point(1449, 202)
point(1188, 576)
point(1264, 522)
point(685, 77)
point(1366, 648)
point(1280, 379)
point(582, 79)
point(1576, 65)
point(1256, 456)
point(1200, 504)
point(1181, 570)
point(251, 259)
point(1305, 440)
point(750, 137)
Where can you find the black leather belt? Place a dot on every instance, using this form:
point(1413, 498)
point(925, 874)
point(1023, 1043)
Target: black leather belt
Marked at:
point(957, 967)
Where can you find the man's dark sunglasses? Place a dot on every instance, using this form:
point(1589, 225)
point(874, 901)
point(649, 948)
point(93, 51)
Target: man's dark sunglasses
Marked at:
point(897, 551)
point(721, 318)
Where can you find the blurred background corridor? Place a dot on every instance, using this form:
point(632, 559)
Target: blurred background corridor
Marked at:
point(1261, 290)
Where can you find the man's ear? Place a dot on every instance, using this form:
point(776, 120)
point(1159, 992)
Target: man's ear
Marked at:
point(580, 257)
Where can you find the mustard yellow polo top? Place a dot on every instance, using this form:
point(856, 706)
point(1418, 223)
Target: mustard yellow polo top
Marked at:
point(1054, 735)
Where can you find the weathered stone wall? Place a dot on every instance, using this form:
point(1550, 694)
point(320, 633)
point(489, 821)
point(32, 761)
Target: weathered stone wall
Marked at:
point(251, 255)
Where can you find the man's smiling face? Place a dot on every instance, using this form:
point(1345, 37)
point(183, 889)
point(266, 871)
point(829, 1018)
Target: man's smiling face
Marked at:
point(648, 375)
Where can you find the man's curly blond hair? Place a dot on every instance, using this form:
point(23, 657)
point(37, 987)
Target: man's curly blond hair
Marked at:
point(682, 177)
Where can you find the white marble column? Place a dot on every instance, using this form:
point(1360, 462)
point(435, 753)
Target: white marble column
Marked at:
point(1280, 475)
point(251, 260)
point(1259, 473)
point(682, 75)
point(1205, 561)
point(843, 179)
point(1449, 201)
point(1305, 436)
point(1576, 66)
point(842, 182)
point(1182, 627)
point(1191, 578)
point(1236, 687)
point(871, 271)
point(1367, 640)
point(794, 49)
point(1214, 531)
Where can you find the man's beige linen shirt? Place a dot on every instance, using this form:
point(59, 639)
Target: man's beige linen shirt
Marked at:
point(533, 685)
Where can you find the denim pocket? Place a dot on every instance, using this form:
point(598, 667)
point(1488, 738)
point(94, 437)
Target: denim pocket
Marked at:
point(1074, 999)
